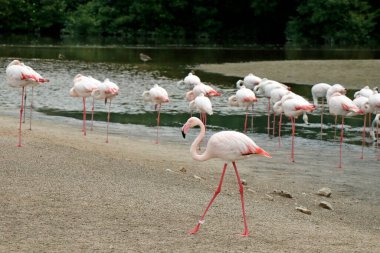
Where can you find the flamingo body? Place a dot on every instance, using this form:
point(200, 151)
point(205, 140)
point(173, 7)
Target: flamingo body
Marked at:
point(319, 90)
point(249, 81)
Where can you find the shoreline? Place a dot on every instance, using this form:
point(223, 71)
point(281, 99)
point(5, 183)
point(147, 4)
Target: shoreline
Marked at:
point(65, 192)
point(352, 74)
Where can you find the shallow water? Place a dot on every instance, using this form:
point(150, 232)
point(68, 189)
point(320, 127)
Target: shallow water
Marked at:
point(122, 66)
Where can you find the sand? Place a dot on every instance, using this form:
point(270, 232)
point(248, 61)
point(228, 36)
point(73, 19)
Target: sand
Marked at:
point(352, 74)
point(63, 192)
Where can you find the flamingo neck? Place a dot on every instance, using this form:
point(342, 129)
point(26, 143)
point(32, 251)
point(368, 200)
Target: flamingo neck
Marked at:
point(195, 145)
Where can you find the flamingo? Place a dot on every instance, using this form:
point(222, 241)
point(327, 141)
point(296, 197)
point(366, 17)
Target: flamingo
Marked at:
point(203, 105)
point(375, 122)
point(275, 96)
point(319, 90)
point(145, 57)
point(244, 97)
point(83, 87)
point(158, 96)
point(201, 88)
point(362, 103)
point(106, 90)
point(366, 92)
point(336, 88)
point(249, 81)
point(189, 81)
point(341, 105)
point(229, 146)
point(20, 76)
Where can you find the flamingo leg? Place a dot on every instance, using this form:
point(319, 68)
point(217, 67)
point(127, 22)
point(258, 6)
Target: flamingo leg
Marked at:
point(252, 119)
point(23, 120)
point(21, 112)
point(323, 109)
point(84, 116)
point(158, 121)
point(31, 109)
point(108, 120)
point(336, 119)
point(201, 221)
point(245, 121)
point(279, 131)
point(92, 114)
point(274, 123)
point(341, 143)
point(293, 133)
point(364, 135)
point(241, 190)
point(268, 126)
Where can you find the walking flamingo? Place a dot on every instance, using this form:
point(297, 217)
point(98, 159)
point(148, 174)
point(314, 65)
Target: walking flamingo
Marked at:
point(203, 105)
point(83, 87)
point(229, 146)
point(158, 96)
point(245, 98)
point(341, 105)
point(106, 90)
point(293, 106)
point(319, 90)
point(249, 81)
point(20, 76)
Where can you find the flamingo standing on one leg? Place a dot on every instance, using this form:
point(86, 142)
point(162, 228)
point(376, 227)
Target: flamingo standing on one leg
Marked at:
point(21, 76)
point(83, 87)
point(362, 103)
point(244, 97)
point(158, 96)
point(341, 105)
point(229, 146)
point(106, 90)
point(336, 88)
point(319, 90)
point(203, 105)
point(293, 106)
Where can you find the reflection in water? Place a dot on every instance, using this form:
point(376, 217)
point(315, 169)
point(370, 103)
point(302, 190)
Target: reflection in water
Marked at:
point(167, 67)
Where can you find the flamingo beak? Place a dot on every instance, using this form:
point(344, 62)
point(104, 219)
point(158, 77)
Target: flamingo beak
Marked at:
point(183, 134)
point(261, 151)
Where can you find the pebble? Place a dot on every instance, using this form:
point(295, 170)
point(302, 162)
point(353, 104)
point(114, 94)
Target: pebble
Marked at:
point(325, 191)
point(269, 197)
point(283, 194)
point(244, 182)
point(197, 177)
point(303, 210)
point(326, 205)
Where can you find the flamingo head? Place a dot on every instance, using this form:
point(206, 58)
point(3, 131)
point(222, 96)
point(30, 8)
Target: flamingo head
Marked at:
point(190, 123)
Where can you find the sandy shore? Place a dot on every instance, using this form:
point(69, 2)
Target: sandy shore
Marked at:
point(62, 192)
point(353, 74)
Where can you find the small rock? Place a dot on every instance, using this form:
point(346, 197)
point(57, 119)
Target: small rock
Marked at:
point(183, 170)
point(283, 194)
point(197, 177)
point(269, 197)
point(303, 210)
point(249, 189)
point(169, 170)
point(326, 205)
point(325, 191)
point(244, 182)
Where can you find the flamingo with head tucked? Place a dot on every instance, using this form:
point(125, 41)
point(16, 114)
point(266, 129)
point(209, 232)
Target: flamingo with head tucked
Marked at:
point(106, 90)
point(18, 75)
point(249, 81)
point(203, 105)
point(229, 146)
point(156, 95)
point(319, 90)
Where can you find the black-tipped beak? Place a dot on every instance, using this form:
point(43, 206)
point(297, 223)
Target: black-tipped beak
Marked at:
point(183, 134)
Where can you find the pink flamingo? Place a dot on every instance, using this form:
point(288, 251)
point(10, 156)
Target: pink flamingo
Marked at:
point(275, 96)
point(106, 90)
point(336, 88)
point(189, 81)
point(362, 103)
point(293, 106)
point(229, 146)
point(341, 105)
point(203, 105)
point(245, 98)
point(366, 92)
point(156, 95)
point(249, 81)
point(319, 90)
point(83, 87)
point(20, 76)
point(201, 88)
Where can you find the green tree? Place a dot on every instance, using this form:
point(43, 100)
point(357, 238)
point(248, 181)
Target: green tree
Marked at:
point(332, 22)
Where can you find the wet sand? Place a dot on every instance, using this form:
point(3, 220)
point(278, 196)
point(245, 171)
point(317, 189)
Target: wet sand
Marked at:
point(352, 74)
point(63, 192)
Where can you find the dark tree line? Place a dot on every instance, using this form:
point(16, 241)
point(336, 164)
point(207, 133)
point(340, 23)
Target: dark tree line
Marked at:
point(303, 22)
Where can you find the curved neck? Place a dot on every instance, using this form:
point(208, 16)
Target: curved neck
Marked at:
point(196, 142)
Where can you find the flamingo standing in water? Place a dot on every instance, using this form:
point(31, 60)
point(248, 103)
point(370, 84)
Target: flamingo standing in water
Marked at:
point(203, 105)
point(245, 98)
point(201, 88)
point(229, 146)
point(362, 103)
point(83, 87)
point(341, 105)
point(293, 105)
point(106, 90)
point(336, 88)
point(319, 90)
point(189, 81)
point(249, 81)
point(156, 95)
point(20, 76)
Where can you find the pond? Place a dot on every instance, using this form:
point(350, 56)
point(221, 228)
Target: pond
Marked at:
point(169, 65)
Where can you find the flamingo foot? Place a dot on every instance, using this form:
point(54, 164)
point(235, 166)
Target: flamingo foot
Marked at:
point(19, 145)
point(245, 233)
point(195, 230)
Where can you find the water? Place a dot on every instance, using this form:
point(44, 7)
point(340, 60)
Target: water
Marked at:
point(123, 66)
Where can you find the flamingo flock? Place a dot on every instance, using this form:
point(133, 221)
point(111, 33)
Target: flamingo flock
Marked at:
point(229, 146)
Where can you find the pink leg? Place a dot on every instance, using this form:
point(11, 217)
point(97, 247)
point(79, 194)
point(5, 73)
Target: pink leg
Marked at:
point(23, 120)
point(31, 110)
point(274, 123)
point(268, 115)
point(341, 143)
point(84, 116)
point(323, 108)
point(108, 120)
point(241, 190)
point(336, 119)
point(245, 121)
point(363, 142)
point(92, 114)
point(252, 119)
point(201, 221)
point(279, 131)
point(158, 121)
point(293, 133)
point(21, 111)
